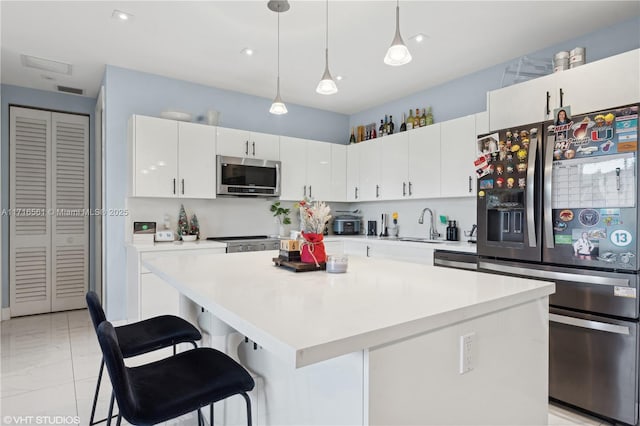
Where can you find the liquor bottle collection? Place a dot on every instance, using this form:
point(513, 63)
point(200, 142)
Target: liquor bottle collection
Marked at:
point(388, 127)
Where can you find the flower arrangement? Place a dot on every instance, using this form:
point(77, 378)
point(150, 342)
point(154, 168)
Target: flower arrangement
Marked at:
point(314, 216)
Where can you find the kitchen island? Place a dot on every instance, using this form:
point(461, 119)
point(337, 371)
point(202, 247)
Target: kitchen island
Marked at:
point(380, 344)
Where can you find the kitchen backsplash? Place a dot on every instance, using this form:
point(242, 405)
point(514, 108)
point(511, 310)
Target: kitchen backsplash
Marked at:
point(219, 217)
point(462, 210)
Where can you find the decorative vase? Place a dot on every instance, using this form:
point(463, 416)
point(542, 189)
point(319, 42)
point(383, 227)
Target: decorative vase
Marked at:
point(312, 248)
point(283, 230)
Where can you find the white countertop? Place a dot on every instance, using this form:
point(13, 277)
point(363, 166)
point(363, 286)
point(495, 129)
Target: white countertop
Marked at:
point(178, 245)
point(309, 317)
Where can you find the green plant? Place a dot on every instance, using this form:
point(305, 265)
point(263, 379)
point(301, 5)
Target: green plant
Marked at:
point(280, 213)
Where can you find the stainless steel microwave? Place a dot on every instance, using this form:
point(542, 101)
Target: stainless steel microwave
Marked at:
point(248, 176)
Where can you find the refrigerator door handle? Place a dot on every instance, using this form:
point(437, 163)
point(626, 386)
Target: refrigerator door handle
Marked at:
point(555, 276)
point(591, 325)
point(548, 172)
point(531, 170)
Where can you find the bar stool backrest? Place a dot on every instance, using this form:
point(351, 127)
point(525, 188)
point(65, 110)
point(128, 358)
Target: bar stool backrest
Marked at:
point(95, 310)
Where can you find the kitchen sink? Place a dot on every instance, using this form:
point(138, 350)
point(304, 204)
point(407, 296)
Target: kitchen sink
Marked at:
point(422, 240)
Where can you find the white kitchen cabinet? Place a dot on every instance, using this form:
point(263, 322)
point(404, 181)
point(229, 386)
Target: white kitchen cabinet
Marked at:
point(354, 152)
point(338, 173)
point(394, 170)
point(607, 83)
point(458, 151)
point(414, 253)
point(307, 170)
point(293, 178)
point(369, 170)
point(602, 84)
point(241, 143)
point(424, 162)
point(171, 159)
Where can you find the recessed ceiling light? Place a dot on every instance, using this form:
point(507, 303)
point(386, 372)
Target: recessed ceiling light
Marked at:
point(247, 51)
point(419, 38)
point(121, 16)
point(339, 77)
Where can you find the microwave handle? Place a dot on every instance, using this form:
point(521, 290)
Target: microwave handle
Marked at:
point(548, 172)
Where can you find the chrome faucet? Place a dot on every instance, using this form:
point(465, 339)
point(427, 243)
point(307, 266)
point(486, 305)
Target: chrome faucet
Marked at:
point(433, 232)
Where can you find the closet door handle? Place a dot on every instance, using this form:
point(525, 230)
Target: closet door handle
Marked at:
point(182, 186)
point(246, 148)
point(404, 189)
point(561, 97)
point(548, 98)
point(174, 186)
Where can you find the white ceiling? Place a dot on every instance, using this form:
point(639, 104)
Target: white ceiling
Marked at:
point(201, 42)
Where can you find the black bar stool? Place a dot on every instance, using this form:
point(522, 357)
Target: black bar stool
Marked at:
point(141, 338)
point(174, 386)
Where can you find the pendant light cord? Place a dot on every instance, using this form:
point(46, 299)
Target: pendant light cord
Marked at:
point(327, 28)
point(278, 48)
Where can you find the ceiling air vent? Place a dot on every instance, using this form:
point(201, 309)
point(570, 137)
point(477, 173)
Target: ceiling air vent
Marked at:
point(46, 64)
point(73, 90)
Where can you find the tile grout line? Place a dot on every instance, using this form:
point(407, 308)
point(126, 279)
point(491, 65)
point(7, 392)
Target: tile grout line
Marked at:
point(73, 372)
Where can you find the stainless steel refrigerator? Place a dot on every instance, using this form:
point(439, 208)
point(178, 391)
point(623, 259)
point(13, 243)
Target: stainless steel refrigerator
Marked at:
point(559, 201)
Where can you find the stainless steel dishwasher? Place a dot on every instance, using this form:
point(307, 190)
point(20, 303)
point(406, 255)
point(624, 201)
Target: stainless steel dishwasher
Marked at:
point(455, 259)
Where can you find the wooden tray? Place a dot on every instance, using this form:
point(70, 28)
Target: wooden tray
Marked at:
point(298, 266)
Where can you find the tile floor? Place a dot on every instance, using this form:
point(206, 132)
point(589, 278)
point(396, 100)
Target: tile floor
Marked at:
point(49, 365)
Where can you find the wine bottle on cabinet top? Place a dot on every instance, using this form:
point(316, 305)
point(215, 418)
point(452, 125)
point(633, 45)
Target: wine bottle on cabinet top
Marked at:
point(391, 125)
point(352, 139)
point(410, 120)
point(423, 119)
point(416, 119)
point(403, 126)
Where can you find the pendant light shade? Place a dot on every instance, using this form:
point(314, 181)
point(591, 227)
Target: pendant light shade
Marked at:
point(398, 53)
point(327, 86)
point(278, 107)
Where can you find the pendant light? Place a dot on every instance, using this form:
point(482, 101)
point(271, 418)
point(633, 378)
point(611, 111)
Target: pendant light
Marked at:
point(278, 107)
point(327, 86)
point(398, 54)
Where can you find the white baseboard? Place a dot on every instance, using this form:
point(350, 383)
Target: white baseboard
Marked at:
point(6, 314)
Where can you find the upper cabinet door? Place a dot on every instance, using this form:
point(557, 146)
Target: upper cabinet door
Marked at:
point(369, 170)
point(458, 148)
point(155, 149)
point(293, 178)
point(264, 146)
point(353, 172)
point(319, 170)
point(522, 103)
point(607, 83)
point(424, 162)
point(232, 142)
point(338, 189)
point(196, 160)
point(394, 175)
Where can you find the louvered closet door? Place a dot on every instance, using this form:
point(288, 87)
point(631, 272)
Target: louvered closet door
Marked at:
point(70, 200)
point(30, 197)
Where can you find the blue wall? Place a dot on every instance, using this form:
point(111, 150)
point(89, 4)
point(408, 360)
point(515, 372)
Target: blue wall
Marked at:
point(20, 96)
point(130, 92)
point(467, 95)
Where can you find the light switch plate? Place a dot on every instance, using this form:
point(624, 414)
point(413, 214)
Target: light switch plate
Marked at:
point(467, 352)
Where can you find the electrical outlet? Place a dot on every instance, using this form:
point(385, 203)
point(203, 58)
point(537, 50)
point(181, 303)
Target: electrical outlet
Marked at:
point(467, 352)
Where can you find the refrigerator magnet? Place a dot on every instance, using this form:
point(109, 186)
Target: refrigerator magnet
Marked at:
point(589, 217)
point(566, 215)
point(522, 182)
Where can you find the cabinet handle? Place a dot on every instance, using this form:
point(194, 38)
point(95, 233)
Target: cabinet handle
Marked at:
point(561, 96)
point(356, 189)
point(618, 178)
point(470, 184)
point(174, 186)
point(182, 186)
point(310, 196)
point(246, 148)
point(548, 97)
point(253, 144)
point(368, 250)
point(377, 191)
point(410, 189)
point(404, 189)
